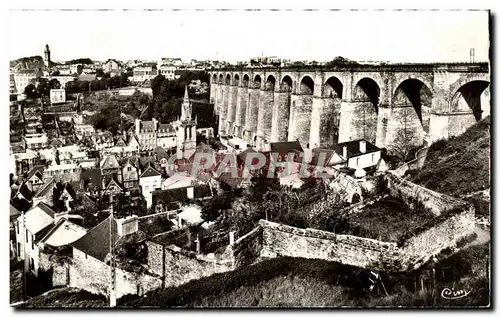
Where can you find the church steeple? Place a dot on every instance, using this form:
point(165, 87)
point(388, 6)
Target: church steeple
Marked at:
point(186, 107)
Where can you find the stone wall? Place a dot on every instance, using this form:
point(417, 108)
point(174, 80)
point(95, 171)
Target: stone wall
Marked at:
point(94, 276)
point(176, 267)
point(282, 240)
point(446, 233)
point(247, 248)
point(437, 203)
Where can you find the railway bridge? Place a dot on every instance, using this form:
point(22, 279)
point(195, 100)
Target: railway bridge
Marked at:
point(384, 104)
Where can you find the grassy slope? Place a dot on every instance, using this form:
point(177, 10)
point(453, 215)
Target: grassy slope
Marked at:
point(459, 166)
point(296, 282)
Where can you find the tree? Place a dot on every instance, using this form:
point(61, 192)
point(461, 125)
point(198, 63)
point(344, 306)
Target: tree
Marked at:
point(54, 84)
point(406, 139)
point(99, 73)
point(31, 92)
point(217, 206)
point(56, 73)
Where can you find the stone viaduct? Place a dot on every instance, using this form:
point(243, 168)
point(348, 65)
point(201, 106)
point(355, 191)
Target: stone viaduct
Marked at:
point(385, 104)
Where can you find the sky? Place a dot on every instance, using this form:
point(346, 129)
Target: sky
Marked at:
point(395, 36)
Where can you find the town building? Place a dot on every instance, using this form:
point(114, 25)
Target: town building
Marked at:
point(57, 96)
point(36, 141)
point(144, 72)
point(180, 134)
point(167, 71)
point(150, 180)
point(113, 67)
point(357, 154)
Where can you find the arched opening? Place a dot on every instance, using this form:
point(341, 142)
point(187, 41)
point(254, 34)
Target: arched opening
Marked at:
point(228, 79)
point(410, 119)
point(221, 79)
point(367, 90)
point(307, 86)
point(245, 81)
point(236, 80)
point(413, 92)
point(330, 116)
point(333, 88)
point(257, 81)
point(270, 82)
point(286, 84)
point(469, 98)
point(214, 79)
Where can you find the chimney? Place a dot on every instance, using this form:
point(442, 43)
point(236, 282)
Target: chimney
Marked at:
point(344, 152)
point(60, 215)
point(362, 146)
point(127, 225)
point(155, 124)
point(137, 126)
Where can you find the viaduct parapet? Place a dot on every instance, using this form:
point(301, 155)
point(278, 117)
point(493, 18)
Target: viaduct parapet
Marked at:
point(384, 104)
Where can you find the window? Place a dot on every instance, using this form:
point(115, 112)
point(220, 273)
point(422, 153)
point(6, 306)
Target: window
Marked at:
point(32, 264)
point(27, 236)
point(373, 158)
point(357, 162)
point(32, 244)
point(129, 169)
point(17, 228)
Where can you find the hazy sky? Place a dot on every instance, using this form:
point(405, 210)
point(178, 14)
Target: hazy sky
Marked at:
point(401, 36)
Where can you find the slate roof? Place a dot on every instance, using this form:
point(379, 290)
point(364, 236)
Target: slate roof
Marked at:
point(38, 218)
point(24, 190)
point(353, 148)
point(147, 125)
point(286, 147)
point(14, 212)
point(161, 153)
point(165, 127)
point(36, 169)
point(150, 172)
point(96, 242)
point(44, 189)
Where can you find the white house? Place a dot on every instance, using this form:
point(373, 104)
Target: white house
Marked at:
point(149, 180)
point(57, 96)
point(31, 228)
point(354, 154)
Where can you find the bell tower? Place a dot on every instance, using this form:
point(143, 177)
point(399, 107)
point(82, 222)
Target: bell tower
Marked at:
point(185, 129)
point(46, 60)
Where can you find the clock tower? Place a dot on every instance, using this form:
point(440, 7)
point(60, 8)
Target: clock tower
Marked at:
point(185, 129)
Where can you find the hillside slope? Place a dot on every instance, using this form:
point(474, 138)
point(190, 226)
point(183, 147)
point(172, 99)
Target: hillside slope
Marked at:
point(460, 166)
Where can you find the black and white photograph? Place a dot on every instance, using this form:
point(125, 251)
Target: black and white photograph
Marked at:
point(285, 158)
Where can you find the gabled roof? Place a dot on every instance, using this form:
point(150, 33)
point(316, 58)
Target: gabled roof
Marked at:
point(61, 188)
point(160, 153)
point(38, 218)
point(120, 141)
point(36, 170)
point(150, 172)
point(110, 161)
point(96, 242)
point(286, 147)
point(14, 212)
point(56, 143)
point(353, 148)
point(111, 180)
point(25, 192)
point(62, 233)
